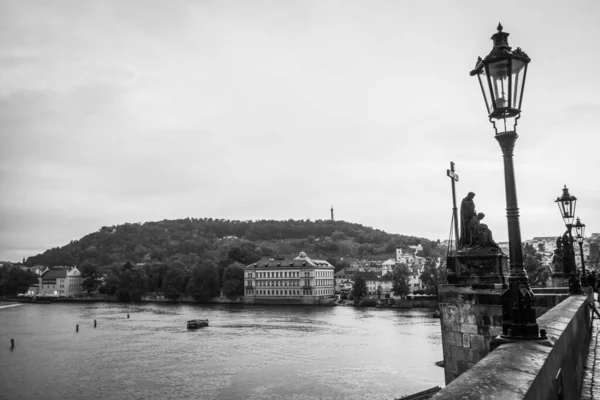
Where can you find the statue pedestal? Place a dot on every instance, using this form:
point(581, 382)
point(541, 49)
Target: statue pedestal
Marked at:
point(471, 308)
point(477, 268)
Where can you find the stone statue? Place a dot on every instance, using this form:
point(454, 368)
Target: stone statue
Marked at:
point(568, 261)
point(475, 236)
point(481, 236)
point(557, 259)
point(467, 213)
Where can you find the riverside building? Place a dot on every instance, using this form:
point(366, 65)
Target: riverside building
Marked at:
point(60, 282)
point(299, 280)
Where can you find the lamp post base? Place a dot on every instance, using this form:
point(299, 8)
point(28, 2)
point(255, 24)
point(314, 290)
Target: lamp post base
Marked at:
point(518, 311)
point(502, 339)
point(575, 285)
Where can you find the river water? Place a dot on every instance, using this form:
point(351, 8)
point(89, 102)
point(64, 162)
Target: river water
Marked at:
point(247, 352)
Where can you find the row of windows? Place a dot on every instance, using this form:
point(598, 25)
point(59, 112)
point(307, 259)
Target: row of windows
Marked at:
point(288, 274)
point(305, 292)
point(319, 282)
point(277, 283)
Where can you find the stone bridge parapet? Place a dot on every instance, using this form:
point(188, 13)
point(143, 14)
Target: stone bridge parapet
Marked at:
point(529, 370)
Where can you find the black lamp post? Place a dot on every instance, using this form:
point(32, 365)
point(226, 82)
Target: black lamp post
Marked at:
point(566, 204)
point(580, 235)
point(501, 77)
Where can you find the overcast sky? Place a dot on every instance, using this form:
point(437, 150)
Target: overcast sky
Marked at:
point(134, 111)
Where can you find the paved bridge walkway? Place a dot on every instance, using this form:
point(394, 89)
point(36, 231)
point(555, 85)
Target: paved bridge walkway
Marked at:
point(591, 378)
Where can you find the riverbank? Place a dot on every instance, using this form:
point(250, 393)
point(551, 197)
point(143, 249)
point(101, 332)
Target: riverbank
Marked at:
point(368, 301)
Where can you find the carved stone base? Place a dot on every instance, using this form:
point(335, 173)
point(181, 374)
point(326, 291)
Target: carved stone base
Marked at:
point(477, 268)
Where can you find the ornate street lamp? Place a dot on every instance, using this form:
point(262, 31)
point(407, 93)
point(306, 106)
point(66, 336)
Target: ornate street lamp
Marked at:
point(566, 205)
point(501, 77)
point(580, 235)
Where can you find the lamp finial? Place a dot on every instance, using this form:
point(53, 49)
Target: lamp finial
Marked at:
point(499, 27)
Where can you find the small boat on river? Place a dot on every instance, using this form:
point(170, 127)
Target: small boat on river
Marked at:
point(197, 323)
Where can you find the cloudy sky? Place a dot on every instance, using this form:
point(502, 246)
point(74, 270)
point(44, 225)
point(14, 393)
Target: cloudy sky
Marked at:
point(133, 111)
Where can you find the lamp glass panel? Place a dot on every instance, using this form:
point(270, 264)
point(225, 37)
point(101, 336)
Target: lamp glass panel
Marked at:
point(579, 228)
point(566, 206)
point(499, 80)
point(573, 204)
point(485, 88)
point(518, 72)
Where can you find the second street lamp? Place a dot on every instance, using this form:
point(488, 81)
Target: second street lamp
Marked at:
point(566, 205)
point(502, 76)
point(580, 235)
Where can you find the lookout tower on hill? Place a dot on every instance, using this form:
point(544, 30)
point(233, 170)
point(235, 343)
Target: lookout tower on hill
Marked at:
point(332, 213)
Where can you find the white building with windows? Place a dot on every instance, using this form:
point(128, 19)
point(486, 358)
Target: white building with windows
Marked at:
point(414, 278)
point(299, 280)
point(408, 258)
point(60, 282)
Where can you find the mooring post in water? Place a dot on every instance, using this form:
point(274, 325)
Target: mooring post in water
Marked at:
point(77, 328)
point(127, 315)
point(94, 323)
point(12, 343)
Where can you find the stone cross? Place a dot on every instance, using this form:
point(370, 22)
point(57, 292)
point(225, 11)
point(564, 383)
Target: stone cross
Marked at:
point(454, 178)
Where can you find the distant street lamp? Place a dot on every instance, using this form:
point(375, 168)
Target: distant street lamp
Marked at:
point(501, 77)
point(566, 205)
point(580, 235)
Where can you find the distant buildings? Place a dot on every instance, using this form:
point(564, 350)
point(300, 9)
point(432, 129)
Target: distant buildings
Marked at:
point(301, 278)
point(409, 258)
point(378, 274)
point(60, 282)
point(376, 283)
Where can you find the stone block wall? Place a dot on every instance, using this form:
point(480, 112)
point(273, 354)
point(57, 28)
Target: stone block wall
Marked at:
point(530, 370)
point(471, 316)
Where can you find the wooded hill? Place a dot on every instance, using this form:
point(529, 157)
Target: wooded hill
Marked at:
point(190, 241)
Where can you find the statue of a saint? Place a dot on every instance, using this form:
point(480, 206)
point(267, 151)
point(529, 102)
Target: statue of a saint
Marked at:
point(481, 236)
point(474, 236)
point(467, 213)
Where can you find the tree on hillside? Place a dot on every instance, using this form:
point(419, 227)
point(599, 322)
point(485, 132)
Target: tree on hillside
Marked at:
point(233, 281)
point(14, 280)
point(338, 236)
point(111, 285)
point(400, 278)
point(432, 276)
point(244, 254)
point(359, 289)
point(338, 264)
point(174, 283)
point(156, 274)
point(139, 283)
point(537, 273)
point(204, 281)
point(90, 277)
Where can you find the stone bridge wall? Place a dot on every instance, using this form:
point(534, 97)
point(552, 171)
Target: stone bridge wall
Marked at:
point(528, 370)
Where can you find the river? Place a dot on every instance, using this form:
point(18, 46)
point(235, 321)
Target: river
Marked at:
point(247, 352)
